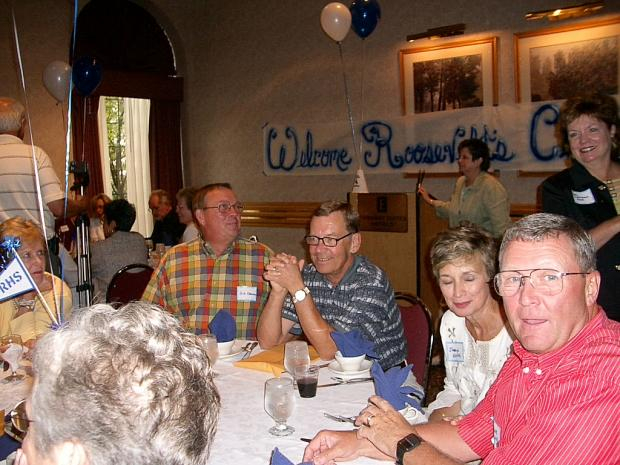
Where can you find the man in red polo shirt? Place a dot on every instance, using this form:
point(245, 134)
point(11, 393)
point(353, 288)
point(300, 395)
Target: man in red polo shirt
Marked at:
point(557, 398)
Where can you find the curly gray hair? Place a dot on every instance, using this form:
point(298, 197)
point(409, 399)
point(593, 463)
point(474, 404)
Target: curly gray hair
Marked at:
point(129, 384)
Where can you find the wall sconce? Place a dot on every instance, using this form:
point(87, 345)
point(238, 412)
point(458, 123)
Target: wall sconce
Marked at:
point(437, 32)
point(558, 14)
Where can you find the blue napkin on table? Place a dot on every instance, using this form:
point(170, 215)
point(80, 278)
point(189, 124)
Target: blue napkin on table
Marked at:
point(389, 385)
point(352, 344)
point(223, 326)
point(278, 459)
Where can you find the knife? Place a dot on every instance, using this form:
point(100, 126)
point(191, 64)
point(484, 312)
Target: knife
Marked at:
point(349, 381)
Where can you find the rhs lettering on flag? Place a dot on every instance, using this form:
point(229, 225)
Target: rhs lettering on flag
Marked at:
point(15, 280)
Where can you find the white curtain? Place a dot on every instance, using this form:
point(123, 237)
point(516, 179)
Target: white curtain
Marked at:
point(136, 128)
point(138, 168)
point(104, 148)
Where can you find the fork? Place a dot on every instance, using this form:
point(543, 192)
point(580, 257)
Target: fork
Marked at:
point(248, 348)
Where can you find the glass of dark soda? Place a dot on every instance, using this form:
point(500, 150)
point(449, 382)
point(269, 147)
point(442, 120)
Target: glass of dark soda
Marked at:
point(307, 377)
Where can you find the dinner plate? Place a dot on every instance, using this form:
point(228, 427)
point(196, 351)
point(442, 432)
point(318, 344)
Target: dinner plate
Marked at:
point(237, 348)
point(335, 368)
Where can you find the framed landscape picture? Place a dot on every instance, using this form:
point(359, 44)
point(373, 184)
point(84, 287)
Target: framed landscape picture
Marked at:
point(558, 63)
point(449, 76)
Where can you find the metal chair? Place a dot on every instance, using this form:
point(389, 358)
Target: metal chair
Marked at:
point(418, 326)
point(128, 283)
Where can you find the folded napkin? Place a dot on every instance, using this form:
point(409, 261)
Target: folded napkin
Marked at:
point(277, 458)
point(272, 360)
point(352, 344)
point(390, 386)
point(223, 326)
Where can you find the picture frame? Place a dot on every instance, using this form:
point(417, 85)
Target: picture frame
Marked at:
point(470, 67)
point(557, 63)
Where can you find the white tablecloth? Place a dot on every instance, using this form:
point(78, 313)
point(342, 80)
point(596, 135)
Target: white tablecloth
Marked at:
point(12, 393)
point(242, 436)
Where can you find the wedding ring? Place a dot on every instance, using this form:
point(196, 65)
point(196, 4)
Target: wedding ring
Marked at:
point(370, 417)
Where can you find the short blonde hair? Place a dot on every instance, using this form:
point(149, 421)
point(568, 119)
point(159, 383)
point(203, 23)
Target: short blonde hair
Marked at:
point(25, 230)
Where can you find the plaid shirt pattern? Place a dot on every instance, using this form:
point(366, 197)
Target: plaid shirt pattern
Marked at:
point(363, 300)
point(192, 283)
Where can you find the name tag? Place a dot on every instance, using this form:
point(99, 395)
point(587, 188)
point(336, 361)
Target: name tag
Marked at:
point(246, 293)
point(497, 433)
point(455, 352)
point(584, 197)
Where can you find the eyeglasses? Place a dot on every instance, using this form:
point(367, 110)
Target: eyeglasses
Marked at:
point(327, 241)
point(225, 207)
point(19, 420)
point(545, 281)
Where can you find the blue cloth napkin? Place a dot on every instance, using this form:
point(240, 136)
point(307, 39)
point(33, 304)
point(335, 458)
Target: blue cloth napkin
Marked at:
point(352, 344)
point(223, 326)
point(389, 385)
point(278, 459)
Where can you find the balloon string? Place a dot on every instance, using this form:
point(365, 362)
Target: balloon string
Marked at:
point(348, 100)
point(359, 160)
point(35, 164)
point(69, 105)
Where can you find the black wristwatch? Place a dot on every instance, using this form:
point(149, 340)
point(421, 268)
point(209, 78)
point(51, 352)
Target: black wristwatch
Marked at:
point(406, 444)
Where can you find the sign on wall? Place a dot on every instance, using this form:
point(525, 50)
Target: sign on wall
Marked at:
point(519, 136)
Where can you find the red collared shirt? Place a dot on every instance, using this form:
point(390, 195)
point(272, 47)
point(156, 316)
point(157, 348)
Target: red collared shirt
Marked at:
point(556, 408)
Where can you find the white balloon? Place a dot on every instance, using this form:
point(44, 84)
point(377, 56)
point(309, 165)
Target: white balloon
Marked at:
point(336, 21)
point(56, 78)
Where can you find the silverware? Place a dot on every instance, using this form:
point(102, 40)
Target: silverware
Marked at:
point(248, 348)
point(350, 380)
point(341, 381)
point(339, 418)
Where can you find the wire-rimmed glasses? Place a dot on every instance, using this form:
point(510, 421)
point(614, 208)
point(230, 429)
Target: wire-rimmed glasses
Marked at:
point(225, 207)
point(327, 241)
point(546, 281)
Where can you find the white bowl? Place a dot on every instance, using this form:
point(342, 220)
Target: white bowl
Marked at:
point(349, 363)
point(225, 348)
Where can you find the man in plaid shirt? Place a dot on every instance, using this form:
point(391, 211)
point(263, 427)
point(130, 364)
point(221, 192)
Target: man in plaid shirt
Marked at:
point(219, 270)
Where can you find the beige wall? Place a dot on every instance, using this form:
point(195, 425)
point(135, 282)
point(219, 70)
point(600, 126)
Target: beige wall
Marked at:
point(248, 62)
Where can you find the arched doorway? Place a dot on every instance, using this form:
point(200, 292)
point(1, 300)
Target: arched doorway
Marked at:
point(138, 61)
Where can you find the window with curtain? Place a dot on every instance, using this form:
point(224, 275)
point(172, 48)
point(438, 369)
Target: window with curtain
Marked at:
point(124, 148)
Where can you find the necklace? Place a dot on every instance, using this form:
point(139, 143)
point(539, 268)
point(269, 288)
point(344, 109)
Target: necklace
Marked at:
point(23, 306)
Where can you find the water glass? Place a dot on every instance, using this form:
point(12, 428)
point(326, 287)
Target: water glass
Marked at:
point(279, 404)
point(295, 354)
point(12, 349)
point(212, 349)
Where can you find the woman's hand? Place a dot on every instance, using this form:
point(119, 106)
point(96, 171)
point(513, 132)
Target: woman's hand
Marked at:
point(425, 195)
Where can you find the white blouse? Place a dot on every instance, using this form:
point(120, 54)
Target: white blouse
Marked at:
point(471, 366)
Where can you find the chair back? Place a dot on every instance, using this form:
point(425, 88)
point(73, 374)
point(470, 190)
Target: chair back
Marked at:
point(417, 323)
point(128, 283)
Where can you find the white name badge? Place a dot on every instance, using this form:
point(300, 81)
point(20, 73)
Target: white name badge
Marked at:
point(455, 352)
point(246, 293)
point(584, 197)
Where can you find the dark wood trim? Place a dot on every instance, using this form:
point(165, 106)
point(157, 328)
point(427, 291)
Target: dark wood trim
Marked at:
point(140, 85)
point(298, 214)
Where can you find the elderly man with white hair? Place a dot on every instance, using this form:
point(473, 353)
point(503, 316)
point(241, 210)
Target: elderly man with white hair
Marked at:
point(18, 196)
point(122, 386)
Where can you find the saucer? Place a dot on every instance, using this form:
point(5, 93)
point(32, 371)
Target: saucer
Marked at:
point(335, 368)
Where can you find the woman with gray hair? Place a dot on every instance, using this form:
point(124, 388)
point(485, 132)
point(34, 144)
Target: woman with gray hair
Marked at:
point(122, 386)
point(474, 332)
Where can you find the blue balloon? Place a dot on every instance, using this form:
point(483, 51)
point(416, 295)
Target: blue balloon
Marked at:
point(86, 75)
point(365, 15)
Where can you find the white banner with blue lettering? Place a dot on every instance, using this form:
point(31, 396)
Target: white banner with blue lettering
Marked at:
point(520, 137)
